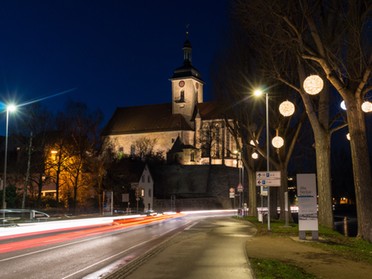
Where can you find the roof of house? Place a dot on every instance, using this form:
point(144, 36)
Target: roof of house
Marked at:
point(125, 171)
point(144, 119)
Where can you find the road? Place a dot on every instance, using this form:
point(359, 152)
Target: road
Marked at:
point(89, 251)
point(209, 248)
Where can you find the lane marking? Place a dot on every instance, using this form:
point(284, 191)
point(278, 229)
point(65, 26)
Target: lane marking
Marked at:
point(122, 252)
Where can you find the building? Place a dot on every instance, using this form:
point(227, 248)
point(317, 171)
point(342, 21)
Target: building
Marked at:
point(187, 131)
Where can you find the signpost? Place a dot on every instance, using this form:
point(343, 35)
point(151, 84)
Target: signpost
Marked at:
point(232, 193)
point(267, 179)
point(232, 196)
point(307, 205)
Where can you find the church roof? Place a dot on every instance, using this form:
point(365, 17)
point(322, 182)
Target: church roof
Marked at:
point(187, 70)
point(145, 119)
point(210, 111)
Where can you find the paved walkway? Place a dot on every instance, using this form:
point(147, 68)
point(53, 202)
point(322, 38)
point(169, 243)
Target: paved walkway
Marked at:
point(213, 248)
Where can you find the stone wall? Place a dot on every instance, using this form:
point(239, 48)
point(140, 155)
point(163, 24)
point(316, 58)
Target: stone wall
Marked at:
point(193, 187)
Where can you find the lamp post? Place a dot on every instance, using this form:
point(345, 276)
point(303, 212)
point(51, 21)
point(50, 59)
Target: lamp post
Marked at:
point(258, 93)
point(9, 108)
point(240, 188)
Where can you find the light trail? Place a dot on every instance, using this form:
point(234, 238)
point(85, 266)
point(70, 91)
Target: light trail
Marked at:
point(65, 234)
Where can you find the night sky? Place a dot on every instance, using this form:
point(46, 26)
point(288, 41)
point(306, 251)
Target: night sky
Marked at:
point(114, 53)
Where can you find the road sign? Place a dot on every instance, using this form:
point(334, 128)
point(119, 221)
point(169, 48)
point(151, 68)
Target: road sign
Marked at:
point(232, 193)
point(268, 178)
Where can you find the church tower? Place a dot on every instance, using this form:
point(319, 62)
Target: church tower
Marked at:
point(187, 85)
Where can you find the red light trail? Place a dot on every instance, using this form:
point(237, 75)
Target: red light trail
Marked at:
point(78, 232)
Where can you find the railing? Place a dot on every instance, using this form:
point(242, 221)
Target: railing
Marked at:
point(11, 216)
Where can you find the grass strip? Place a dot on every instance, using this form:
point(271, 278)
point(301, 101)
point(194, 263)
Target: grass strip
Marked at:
point(275, 269)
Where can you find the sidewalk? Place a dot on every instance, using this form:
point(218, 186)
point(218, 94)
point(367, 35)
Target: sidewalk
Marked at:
point(213, 248)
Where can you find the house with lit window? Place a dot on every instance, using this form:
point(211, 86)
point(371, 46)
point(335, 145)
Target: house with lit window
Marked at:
point(186, 131)
point(144, 188)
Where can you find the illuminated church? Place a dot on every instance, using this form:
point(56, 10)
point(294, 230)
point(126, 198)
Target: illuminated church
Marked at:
point(187, 131)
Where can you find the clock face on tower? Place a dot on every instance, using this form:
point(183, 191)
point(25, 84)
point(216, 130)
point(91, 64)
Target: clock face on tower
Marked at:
point(181, 83)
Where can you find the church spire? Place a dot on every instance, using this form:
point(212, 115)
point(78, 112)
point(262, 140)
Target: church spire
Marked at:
point(187, 49)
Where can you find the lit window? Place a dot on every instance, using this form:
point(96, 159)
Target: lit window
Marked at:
point(182, 96)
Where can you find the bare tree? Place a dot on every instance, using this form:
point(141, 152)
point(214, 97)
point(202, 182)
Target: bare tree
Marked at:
point(33, 127)
point(329, 38)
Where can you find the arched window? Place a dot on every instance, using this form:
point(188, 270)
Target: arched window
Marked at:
point(182, 96)
point(192, 157)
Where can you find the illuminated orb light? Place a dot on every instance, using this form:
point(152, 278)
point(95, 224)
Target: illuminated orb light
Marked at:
point(348, 136)
point(286, 108)
point(343, 105)
point(255, 155)
point(367, 106)
point(277, 142)
point(252, 142)
point(313, 84)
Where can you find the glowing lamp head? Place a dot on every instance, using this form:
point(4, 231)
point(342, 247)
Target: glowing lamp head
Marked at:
point(257, 92)
point(313, 84)
point(11, 107)
point(348, 136)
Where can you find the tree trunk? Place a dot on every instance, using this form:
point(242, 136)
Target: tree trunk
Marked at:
point(252, 190)
point(361, 169)
point(323, 165)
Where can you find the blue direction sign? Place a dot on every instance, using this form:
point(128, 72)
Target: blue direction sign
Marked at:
point(268, 178)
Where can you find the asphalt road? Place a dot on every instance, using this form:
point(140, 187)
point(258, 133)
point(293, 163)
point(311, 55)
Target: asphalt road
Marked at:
point(84, 252)
point(209, 248)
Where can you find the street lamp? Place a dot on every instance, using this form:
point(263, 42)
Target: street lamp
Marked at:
point(9, 108)
point(259, 93)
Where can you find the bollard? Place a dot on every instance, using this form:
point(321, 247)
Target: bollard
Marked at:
point(345, 226)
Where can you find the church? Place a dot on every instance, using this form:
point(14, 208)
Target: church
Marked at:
point(187, 131)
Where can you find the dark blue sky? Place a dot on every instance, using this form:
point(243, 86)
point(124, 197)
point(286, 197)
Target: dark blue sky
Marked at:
point(114, 52)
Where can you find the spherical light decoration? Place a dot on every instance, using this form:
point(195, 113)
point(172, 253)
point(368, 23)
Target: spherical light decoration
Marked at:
point(255, 155)
point(348, 136)
point(367, 106)
point(277, 142)
point(286, 108)
point(253, 143)
point(313, 84)
point(343, 105)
